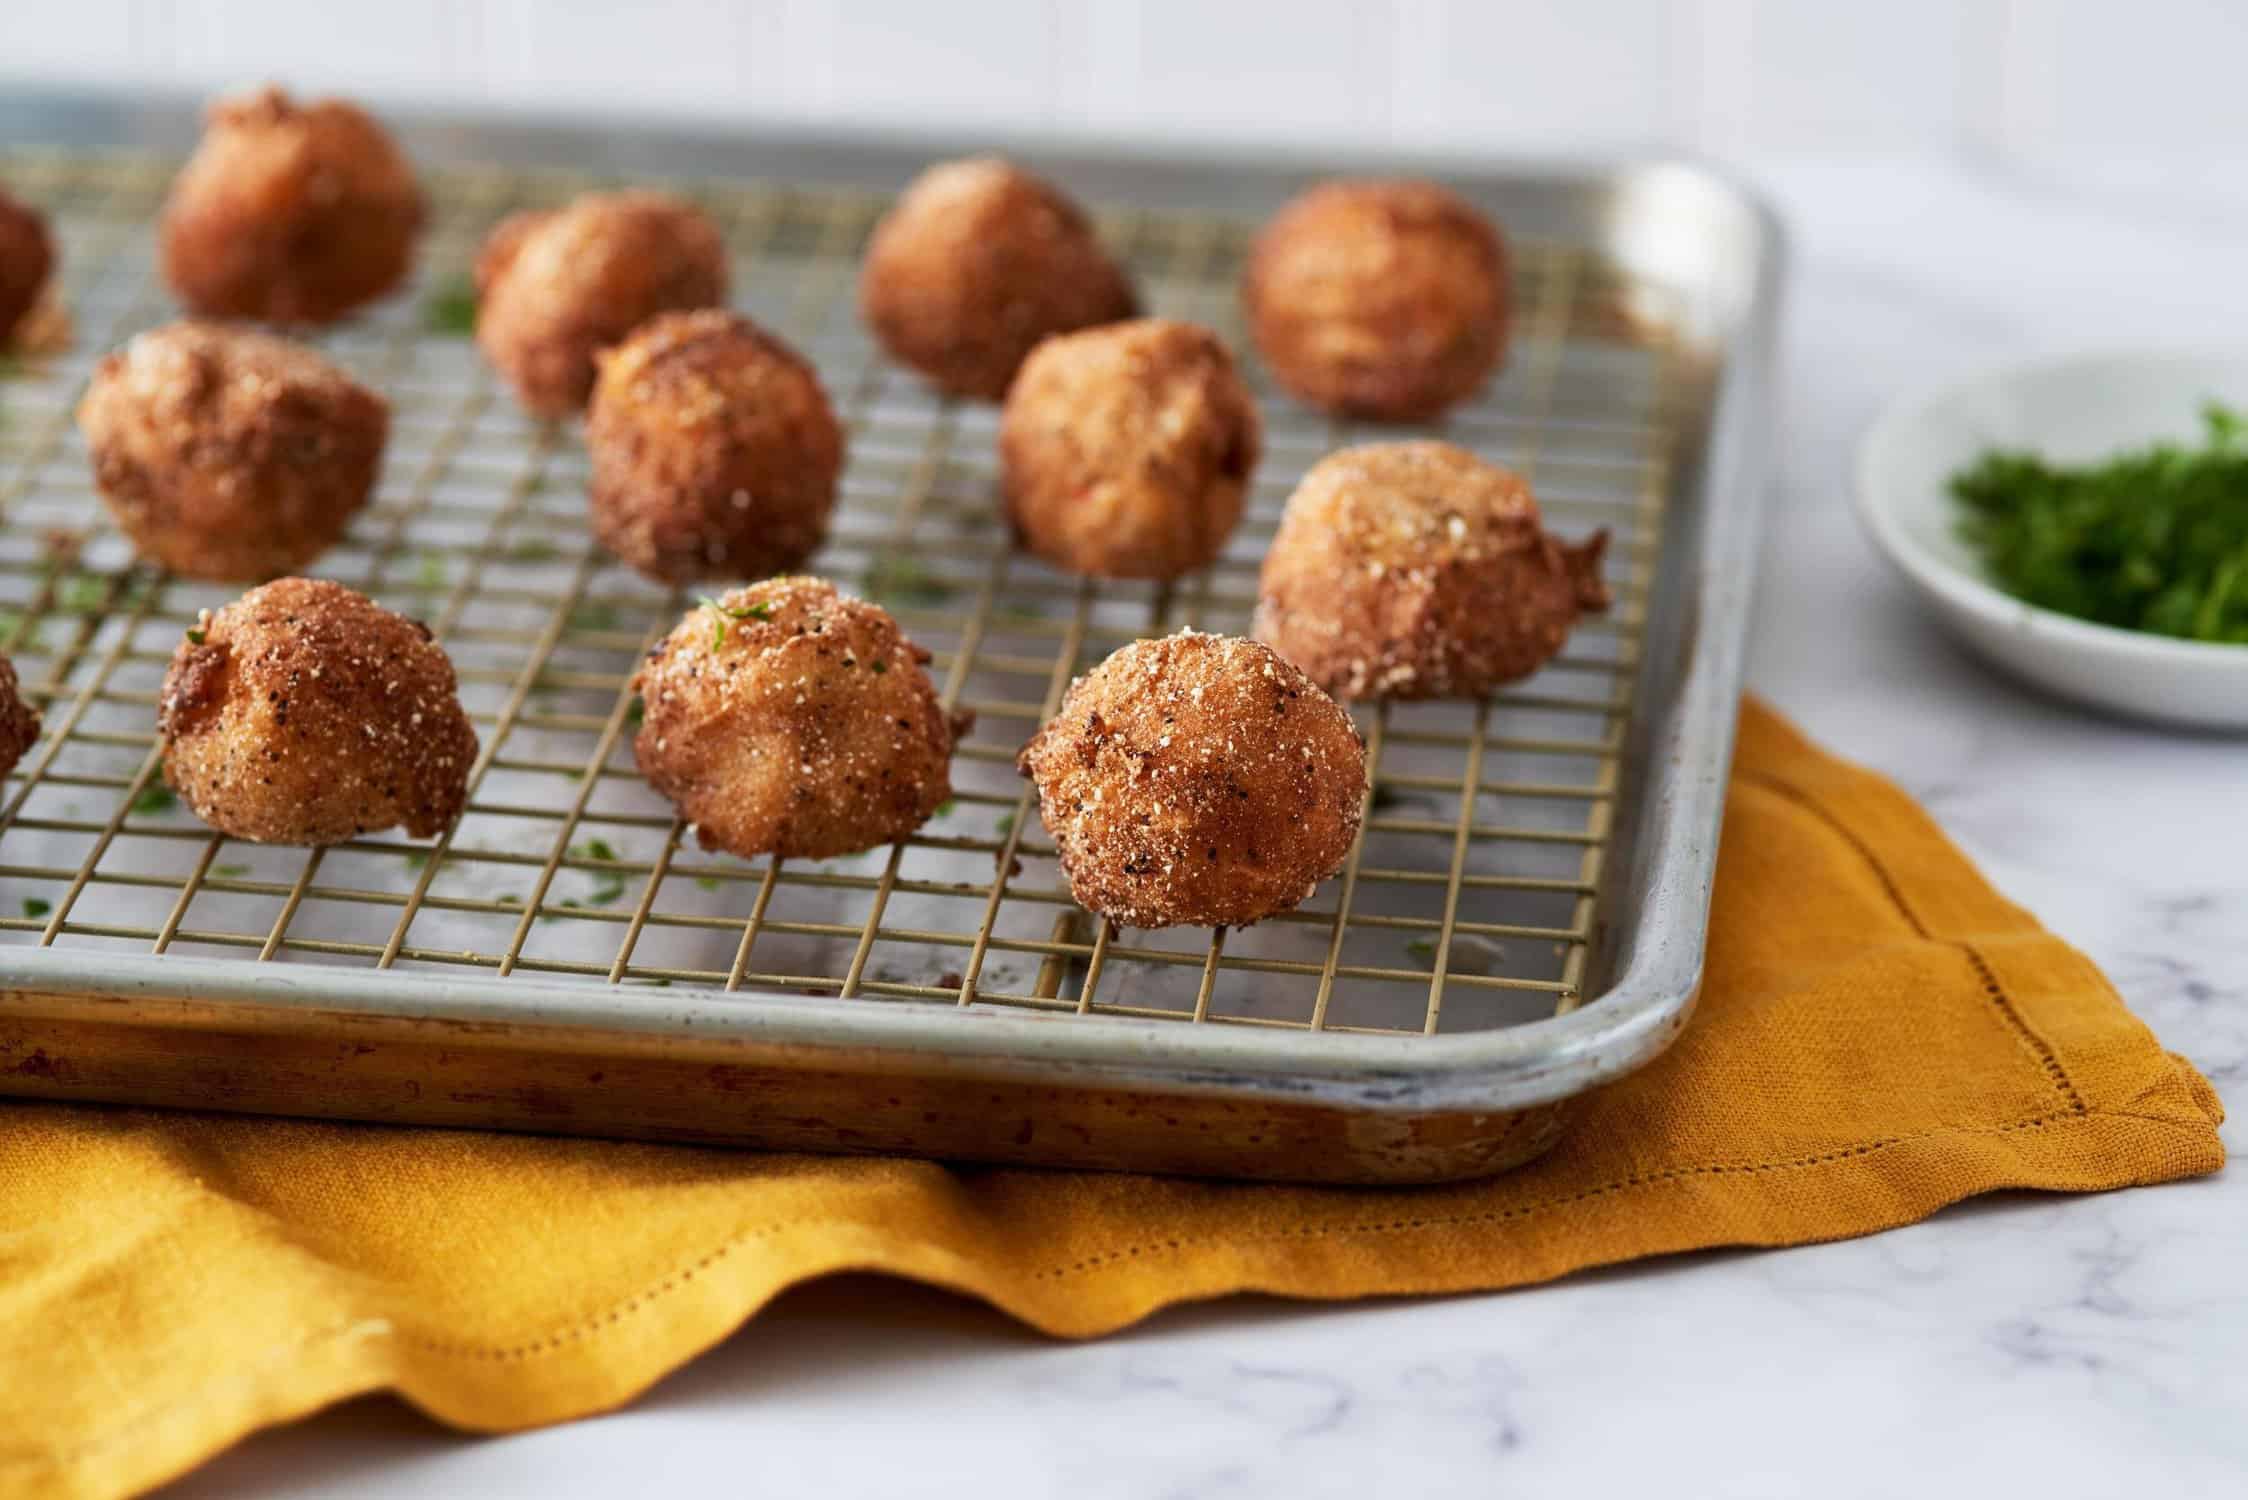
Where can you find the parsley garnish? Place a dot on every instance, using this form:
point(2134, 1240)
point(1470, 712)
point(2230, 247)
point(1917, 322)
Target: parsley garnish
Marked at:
point(153, 800)
point(451, 308)
point(2154, 539)
point(608, 885)
point(903, 580)
point(34, 907)
point(724, 612)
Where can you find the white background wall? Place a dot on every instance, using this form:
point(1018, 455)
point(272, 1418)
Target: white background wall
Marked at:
point(2133, 85)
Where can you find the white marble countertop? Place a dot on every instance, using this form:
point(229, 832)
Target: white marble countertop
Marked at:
point(2056, 1347)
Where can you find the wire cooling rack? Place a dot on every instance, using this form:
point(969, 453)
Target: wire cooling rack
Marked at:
point(1472, 900)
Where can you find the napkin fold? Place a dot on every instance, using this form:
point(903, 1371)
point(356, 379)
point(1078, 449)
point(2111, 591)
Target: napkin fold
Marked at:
point(1880, 1035)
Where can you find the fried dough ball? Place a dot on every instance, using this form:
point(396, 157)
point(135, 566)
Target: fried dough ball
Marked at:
point(290, 213)
point(1126, 450)
point(1197, 779)
point(1417, 570)
point(228, 454)
point(19, 721)
point(554, 287)
point(27, 259)
point(791, 720)
point(1379, 299)
point(976, 262)
point(305, 713)
point(714, 451)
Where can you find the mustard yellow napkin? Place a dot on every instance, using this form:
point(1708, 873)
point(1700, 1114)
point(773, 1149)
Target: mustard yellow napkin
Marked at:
point(1880, 1035)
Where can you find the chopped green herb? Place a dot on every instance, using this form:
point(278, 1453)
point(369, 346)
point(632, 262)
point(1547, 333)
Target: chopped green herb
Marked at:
point(154, 800)
point(1422, 948)
point(608, 885)
point(33, 642)
point(944, 808)
point(532, 549)
point(709, 882)
point(429, 574)
point(230, 872)
point(721, 613)
point(1006, 824)
point(880, 666)
point(2154, 539)
point(451, 308)
point(416, 858)
point(508, 898)
point(194, 636)
point(903, 580)
point(83, 594)
point(636, 711)
point(34, 907)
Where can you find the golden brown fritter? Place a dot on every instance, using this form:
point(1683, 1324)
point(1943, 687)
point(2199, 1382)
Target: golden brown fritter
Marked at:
point(290, 213)
point(1379, 299)
point(27, 259)
point(229, 454)
point(305, 713)
point(554, 288)
point(1197, 779)
point(714, 451)
point(19, 721)
point(976, 262)
point(1417, 570)
point(788, 719)
point(1126, 450)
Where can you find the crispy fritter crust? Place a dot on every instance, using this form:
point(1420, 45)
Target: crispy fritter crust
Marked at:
point(1417, 570)
point(807, 729)
point(977, 262)
point(1197, 779)
point(714, 450)
point(19, 721)
point(229, 454)
point(308, 714)
point(1126, 450)
point(289, 213)
point(1379, 299)
point(27, 259)
point(555, 288)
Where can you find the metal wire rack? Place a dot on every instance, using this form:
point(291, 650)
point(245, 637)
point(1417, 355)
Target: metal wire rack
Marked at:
point(1473, 899)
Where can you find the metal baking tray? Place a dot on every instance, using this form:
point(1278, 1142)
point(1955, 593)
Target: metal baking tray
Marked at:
point(1522, 920)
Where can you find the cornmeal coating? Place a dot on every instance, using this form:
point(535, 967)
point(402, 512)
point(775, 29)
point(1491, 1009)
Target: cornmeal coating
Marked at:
point(27, 259)
point(1197, 779)
point(554, 287)
point(792, 720)
point(305, 713)
point(714, 451)
point(1126, 451)
point(1380, 299)
point(976, 262)
point(1417, 570)
point(19, 721)
point(289, 213)
point(229, 454)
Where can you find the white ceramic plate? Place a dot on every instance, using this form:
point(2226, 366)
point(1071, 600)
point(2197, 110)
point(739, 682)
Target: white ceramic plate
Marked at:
point(2071, 410)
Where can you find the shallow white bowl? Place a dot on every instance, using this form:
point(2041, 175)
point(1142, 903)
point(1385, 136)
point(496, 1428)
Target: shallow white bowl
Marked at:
point(2071, 410)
